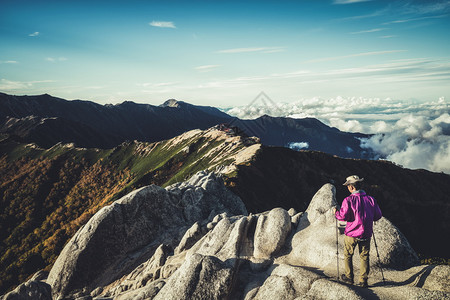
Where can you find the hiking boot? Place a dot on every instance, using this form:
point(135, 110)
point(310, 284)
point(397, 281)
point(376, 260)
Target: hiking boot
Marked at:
point(362, 284)
point(345, 279)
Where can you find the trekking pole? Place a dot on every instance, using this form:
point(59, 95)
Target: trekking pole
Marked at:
point(379, 260)
point(337, 249)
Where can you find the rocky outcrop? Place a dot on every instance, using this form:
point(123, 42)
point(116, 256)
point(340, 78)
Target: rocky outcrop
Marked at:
point(123, 235)
point(225, 254)
point(437, 279)
point(281, 255)
point(314, 242)
point(200, 277)
point(271, 232)
point(35, 288)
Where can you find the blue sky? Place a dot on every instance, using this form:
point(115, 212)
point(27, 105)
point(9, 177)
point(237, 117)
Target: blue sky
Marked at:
point(224, 53)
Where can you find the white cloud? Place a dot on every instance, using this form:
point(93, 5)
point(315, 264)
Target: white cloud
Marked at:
point(379, 127)
point(8, 62)
point(55, 59)
point(355, 55)
point(10, 85)
point(366, 16)
point(415, 19)
point(158, 87)
point(408, 133)
point(411, 73)
point(158, 84)
point(34, 33)
point(298, 145)
point(256, 49)
point(162, 24)
point(369, 31)
point(415, 141)
point(206, 68)
point(425, 7)
point(346, 125)
point(349, 1)
point(413, 153)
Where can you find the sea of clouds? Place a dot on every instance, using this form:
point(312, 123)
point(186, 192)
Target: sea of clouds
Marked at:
point(413, 134)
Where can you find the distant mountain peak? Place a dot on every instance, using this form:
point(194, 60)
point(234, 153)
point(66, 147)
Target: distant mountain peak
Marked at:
point(127, 102)
point(173, 103)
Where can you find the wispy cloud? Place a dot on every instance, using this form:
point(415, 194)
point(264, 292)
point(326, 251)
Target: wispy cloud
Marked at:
point(256, 49)
point(411, 71)
point(369, 31)
point(415, 19)
point(36, 33)
point(349, 1)
point(8, 62)
point(158, 84)
point(206, 68)
point(354, 55)
point(426, 7)
point(10, 85)
point(57, 59)
point(375, 14)
point(158, 87)
point(162, 24)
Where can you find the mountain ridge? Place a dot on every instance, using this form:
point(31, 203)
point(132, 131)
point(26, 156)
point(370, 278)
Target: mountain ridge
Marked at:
point(113, 124)
point(285, 131)
point(125, 121)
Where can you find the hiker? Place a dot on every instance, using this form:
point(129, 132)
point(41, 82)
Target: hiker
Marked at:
point(360, 211)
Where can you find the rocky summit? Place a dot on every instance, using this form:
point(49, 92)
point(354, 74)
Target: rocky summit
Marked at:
point(195, 240)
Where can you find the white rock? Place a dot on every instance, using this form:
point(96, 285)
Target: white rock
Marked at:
point(122, 235)
point(271, 232)
point(437, 278)
point(324, 289)
point(314, 242)
point(200, 277)
point(292, 212)
point(31, 289)
point(190, 238)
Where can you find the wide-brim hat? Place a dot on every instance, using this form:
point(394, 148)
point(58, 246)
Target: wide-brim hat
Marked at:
point(353, 179)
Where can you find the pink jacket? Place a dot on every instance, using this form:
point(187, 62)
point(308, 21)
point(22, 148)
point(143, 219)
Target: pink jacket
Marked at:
point(360, 211)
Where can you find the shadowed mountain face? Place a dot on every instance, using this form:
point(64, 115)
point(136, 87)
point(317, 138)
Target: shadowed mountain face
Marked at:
point(309, 133)
point(46, 120)
point(109, 125)
point(47, 132)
